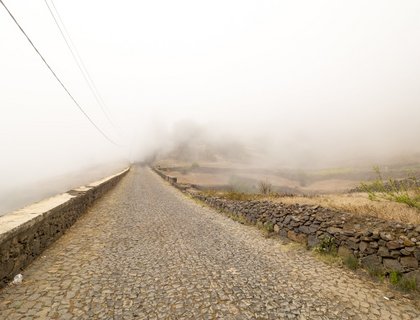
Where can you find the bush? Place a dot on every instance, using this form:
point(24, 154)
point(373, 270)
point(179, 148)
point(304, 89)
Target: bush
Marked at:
point(326, 246)
point(404, 191)
point(269, 226)
point(351, 262)
point(407, 284)
point(265, 187)
point(394, 277)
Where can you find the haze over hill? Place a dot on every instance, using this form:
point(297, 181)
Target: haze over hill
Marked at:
point(299, 84)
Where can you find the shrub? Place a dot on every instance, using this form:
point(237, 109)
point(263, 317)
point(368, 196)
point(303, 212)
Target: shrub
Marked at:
point(404, 191)
point(269, 226)
point(351, 262)
point(407, 284)
point(394, 277)
point(265, 187)
point(327, 246)
point(195, 165)
point(376, 272)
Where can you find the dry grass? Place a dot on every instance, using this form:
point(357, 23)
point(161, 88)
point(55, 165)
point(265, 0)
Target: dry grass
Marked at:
point(358, 204)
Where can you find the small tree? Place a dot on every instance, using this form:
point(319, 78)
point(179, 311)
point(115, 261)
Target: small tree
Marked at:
point(265, 187)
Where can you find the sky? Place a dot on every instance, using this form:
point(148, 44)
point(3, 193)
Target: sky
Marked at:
point(309, 80)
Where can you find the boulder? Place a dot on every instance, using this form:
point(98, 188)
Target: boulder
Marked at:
point(409, 262)
point(372, 262)
point(392, 265)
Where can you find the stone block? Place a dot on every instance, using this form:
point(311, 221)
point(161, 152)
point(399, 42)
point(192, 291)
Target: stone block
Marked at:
point(383, 252)
point(372, 262)
point(283, 233)
point(363, 246)
point(298, 237)
point(392, 245)
point(313, 241)
point(392, 265)
point(352, 244)
point(409, 262)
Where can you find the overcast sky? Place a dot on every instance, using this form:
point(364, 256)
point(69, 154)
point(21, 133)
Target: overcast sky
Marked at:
point(340, 77)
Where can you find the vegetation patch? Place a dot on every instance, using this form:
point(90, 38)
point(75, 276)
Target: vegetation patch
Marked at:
point(327, 245)
point(405, 191)
point(351, 262)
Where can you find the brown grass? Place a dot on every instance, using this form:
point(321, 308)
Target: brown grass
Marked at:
point(358, 204)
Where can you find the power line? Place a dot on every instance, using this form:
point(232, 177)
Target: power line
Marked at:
point(56, 77)
point(78, 59)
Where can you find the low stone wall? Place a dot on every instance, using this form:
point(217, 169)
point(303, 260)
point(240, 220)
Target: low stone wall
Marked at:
point(379, 245)
point(171, 180)
point(25, 233)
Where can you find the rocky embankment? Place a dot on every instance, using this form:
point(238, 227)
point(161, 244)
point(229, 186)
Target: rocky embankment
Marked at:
point(379, 245)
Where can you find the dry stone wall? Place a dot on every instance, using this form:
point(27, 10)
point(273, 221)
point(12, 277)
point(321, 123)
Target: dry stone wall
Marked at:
point(379, 245)
point(25, 234)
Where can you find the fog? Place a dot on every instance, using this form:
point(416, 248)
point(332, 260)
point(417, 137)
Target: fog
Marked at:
point(299, 83)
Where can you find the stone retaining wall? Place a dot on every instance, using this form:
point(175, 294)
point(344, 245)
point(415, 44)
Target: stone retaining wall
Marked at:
point(25, 233)
point(380, 245)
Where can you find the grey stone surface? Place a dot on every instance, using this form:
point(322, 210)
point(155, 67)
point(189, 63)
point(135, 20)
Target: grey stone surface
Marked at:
point(392, 265)
point(25, 233)
point(145, 251)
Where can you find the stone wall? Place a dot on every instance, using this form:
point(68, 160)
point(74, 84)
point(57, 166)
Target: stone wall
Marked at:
point(379, 245)
point(25, 233)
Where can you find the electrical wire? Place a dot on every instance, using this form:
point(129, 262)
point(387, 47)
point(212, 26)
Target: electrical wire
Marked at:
point(78, 59)
point(57, 78)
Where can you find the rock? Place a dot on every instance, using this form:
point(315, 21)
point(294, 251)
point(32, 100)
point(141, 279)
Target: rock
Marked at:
point(375, 235)
point(417, 254)
point(367, 233)
point(374, 244)
point(363, 246)
point(372, 262)
point(405, 252)
point(334, 230)
point(392, 245)
point(283, 233)
point(392, 265)
point(276, 228)
point(383, 252)
point(408, 243)
point(409, 262)
point(312, 241)
point(386, 236)
point(344, 252)
point(298, 237)
point(304, 229)
point(413, 275)
point(395, 254)
point(352, 244)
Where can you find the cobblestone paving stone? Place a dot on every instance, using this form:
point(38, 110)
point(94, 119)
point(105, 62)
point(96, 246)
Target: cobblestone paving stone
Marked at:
point(145, 251)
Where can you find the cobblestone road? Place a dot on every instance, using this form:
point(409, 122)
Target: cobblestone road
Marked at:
point(145, 251)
